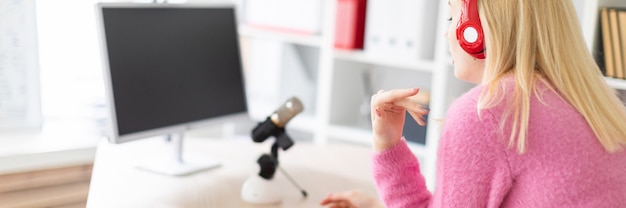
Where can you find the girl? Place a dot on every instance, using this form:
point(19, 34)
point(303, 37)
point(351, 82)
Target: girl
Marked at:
point(541, 129)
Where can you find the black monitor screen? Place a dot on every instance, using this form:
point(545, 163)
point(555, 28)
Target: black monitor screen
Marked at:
point(171, 66)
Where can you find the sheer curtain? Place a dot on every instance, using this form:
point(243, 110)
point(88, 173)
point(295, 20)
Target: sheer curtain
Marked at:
point(19, 68)
point(72, 84)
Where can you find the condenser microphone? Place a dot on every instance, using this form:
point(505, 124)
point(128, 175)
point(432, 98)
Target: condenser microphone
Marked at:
point(275, 124)
point(258, 188)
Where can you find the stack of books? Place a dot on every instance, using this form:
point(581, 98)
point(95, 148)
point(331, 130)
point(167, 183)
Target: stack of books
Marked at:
point(401, 28)
point(613, 29)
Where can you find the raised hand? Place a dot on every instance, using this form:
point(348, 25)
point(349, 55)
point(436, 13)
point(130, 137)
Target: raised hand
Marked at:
point(388, 112)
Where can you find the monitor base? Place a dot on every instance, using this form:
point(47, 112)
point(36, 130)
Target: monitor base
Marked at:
point(174, 163)
point(178, 168)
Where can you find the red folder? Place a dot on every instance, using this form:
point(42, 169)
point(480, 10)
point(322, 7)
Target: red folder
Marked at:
point(350, 24)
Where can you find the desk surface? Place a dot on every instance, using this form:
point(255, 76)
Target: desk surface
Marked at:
point(319, 169)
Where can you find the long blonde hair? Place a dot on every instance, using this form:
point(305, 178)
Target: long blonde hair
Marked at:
point(541, 41)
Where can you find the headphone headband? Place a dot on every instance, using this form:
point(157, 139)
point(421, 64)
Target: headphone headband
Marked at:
point(469, 31)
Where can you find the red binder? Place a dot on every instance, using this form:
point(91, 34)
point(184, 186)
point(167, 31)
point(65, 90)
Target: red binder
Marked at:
point(350, 24)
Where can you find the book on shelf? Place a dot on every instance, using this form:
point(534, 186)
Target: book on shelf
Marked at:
point(607, 45)
point(621, 16)
point(617, 47)
point(613, 37)
point(350, 24)
point(401, 29)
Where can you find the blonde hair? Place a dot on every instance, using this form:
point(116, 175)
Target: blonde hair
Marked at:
point(541, 41)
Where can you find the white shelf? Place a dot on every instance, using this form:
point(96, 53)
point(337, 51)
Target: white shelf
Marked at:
point(619, 84)
point(362, 57)
point(282, 36)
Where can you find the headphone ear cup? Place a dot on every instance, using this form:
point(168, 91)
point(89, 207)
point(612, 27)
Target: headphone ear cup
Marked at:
point(469, 30)
point(471, 39)
point(470, 35)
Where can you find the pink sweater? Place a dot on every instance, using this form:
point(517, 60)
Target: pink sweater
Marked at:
point(564, 164)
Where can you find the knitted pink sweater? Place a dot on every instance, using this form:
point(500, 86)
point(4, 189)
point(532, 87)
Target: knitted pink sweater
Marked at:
point(564, 164)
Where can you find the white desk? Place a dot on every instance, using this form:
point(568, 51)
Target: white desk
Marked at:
point(319, 169)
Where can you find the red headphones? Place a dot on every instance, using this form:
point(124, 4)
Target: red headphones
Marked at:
point(469, 31)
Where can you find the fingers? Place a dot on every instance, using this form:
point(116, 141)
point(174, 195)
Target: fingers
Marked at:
point(327, 200)
point(416, 110)
point(393, 95)
point(396, 101)
point(336, 197)
point(411, 105)
point(419, 118)
point(340, 204)
point(338, 200)
point(385, 100)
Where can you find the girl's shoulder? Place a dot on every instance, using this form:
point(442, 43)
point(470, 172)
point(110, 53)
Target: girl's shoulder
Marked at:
point(468, 102)
point(465, 111)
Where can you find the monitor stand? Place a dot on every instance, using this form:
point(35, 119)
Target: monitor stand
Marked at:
point(171, 161)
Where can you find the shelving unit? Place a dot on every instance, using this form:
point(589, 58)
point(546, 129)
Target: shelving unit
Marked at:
point(619, 84)
point(361, 57)
point(300, 39)
point(591, 30)
point(341, 89)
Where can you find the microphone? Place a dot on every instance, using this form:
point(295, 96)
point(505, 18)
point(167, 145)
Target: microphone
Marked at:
point(286, 112)
point(275, 124)
point(259, 188)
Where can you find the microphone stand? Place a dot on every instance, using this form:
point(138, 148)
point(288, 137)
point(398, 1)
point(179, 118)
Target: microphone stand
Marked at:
point(259, 188)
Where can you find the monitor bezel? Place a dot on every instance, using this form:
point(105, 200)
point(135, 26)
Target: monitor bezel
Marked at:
point(113, 131)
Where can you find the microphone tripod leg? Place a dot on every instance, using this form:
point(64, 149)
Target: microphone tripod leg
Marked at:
point(304, 194)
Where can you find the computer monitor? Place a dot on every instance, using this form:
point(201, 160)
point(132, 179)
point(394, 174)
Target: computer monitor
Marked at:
point(170, 68)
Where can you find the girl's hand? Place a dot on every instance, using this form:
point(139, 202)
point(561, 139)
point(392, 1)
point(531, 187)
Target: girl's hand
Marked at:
point(350, 199)
point(388, 112)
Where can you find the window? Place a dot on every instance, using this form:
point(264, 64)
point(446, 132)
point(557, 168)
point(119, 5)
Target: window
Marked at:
point(71, 73)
